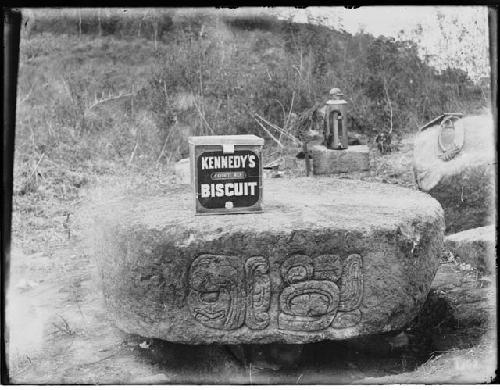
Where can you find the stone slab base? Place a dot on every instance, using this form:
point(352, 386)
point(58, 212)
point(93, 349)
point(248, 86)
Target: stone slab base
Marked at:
point(353, 159)
point(475, 247)
point(326, 259)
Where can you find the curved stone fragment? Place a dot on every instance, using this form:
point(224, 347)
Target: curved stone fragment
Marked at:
point(475, 247)
point(326, 259)
point(464, 184)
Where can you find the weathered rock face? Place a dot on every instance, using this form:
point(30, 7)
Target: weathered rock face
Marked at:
point(353, 159)
point(474, 246)
point(463, 185)
point(327, 259)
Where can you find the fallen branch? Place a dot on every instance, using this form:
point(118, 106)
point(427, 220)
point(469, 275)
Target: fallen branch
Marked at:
point(283, 110)
point(163, 148)
point(274, 163)
point(22, 100)
point(269, 133)
point(279, 129)
point(133, 153)
point(65, 328)
point(203, 117)
point(389, 101)
point(98, 102)
point(298, 71)
point(36, 166)
point(290, 111)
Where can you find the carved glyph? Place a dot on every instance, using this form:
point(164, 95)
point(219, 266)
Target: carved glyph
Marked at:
point(217, 296)
point(224, 293)
point(258, 289)
point(320, 292)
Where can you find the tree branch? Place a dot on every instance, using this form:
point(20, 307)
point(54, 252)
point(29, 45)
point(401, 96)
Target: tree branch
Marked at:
point(388, 101)
point(269, 133)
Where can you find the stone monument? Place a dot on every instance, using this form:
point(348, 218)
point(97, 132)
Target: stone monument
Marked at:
point(327, 259)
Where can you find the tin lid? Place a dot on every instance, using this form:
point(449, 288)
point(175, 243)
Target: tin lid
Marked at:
point(238, 139)
point(337, 101)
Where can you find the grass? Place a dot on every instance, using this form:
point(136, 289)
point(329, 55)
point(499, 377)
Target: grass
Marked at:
point(54, 158)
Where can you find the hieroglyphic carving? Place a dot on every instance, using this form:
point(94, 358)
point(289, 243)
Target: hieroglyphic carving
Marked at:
point(217, 292)
point(258, 291)
point(351, 284)
point(308, 306)
point(327, 267)
point(320, 292)
point(351, 293)
point(224, 293)
point(297, 268)
point(325, 291)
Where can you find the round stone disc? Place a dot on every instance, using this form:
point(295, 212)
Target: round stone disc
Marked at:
point(326, 259)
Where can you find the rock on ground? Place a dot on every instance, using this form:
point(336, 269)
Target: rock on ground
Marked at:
point(475, 247)
point(326, 259)
point(465, 184)
point(182, 173)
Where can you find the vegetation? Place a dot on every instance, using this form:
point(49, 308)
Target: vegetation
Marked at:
point(119, 87)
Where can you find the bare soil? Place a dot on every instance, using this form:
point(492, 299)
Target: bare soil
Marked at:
point(59, 330)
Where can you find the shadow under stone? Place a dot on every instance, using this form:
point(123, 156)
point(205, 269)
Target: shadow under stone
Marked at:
point(434, 331)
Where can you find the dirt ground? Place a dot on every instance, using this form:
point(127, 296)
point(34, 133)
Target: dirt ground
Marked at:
point(59, 331)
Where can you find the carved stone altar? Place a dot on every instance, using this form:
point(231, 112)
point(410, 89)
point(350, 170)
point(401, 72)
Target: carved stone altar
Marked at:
point(327, 259)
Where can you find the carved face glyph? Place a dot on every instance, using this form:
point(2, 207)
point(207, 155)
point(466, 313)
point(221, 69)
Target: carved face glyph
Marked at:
point(216, 294)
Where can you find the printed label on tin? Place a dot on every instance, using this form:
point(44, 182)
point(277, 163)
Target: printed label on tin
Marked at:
point(228, 179)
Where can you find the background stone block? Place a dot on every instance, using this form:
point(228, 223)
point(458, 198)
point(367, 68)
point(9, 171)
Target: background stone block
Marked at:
point(354, 158)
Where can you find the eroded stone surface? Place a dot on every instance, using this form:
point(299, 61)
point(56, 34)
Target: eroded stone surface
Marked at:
point(474, 246)
point(327, 259)
point(353, 159)
point(465, 184)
